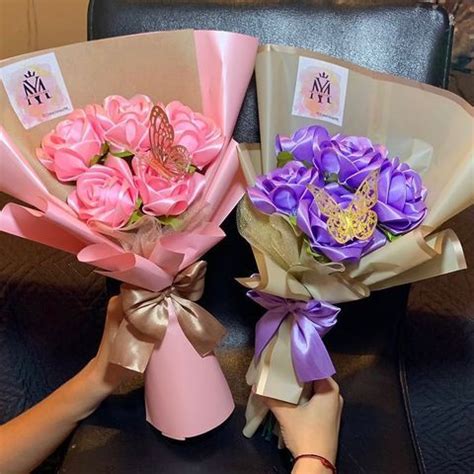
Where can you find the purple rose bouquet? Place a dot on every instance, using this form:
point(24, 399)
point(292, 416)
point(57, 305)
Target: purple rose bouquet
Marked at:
point(369, 201)
point(313, 252)
point(331, 201)
point(331, 217)
point(312, 247)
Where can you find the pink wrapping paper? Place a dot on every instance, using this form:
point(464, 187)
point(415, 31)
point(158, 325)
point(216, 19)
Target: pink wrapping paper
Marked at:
point(186, 394)
point(162, 398)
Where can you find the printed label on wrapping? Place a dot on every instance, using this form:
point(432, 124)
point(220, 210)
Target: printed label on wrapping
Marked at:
point(320, 91)
point(36, 89)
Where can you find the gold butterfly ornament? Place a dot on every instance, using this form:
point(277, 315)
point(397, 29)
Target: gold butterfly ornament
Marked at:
point(167, 159)
point(357, 220)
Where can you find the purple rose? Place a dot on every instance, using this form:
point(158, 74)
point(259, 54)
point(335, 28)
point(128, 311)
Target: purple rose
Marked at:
point(351, 159)
point(400, 205)
point(281, 190)
point(313, 224)
point(305, 143)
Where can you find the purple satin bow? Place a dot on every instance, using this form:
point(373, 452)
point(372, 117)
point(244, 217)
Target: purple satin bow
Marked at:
point(312, 320)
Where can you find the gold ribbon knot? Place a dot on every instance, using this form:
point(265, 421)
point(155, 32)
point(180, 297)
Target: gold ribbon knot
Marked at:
point(147, 316)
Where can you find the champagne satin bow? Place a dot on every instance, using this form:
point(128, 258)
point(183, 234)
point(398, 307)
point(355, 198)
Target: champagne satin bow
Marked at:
point(147, 316)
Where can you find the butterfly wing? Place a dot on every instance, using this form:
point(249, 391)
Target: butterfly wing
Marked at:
point(339, 228)
point(337, 223)
point(362, 219)
point(161, 132)
point(364, 224)
point(179, 160)
point(367, 193)
point(166, 159)
point(326, 204)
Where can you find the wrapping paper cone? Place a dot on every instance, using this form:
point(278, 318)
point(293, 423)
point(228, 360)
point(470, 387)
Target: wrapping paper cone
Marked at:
point(177, 376)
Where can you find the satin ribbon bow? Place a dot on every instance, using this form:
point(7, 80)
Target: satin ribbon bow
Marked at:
point(312, 320)
point(147, 316)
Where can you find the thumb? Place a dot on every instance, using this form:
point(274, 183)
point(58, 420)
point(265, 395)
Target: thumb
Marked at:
point(324, 386)
point(115, 310)
point(112, 323)
point(278, 407)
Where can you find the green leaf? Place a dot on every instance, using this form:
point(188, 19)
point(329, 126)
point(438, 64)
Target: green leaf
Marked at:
point(137, 213)
point(283, 158)
point(317, 256)
point(123, 154)
point(390, 237)
point(104, 149)
point(100, 158)
point(292, 221)
point(331, 178)
point(170, 221)
point(96, 160)
point(135, 217)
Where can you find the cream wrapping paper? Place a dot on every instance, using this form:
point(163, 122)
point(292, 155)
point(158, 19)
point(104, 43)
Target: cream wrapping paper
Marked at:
point(429, 128)
point(87, 60)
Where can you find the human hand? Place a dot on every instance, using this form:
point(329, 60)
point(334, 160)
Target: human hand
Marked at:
point(29, 438)
point(313, 427)
point(106, 376)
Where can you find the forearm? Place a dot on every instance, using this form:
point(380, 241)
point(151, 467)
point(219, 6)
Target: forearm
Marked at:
point(309, 466)
point(28, 439)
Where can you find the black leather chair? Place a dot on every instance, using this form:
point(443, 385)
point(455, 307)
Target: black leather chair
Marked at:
point(413, 41)
point(409, 41)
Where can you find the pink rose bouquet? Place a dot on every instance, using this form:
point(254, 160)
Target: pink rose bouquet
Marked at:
point(105, 151)
point(138, 189)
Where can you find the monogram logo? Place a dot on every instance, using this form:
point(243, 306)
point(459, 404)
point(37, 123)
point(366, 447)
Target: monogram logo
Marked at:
point(321, 88)
point(34, 88)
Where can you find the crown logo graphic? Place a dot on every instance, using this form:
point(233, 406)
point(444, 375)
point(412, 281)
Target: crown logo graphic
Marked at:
point(30, 74)
point(323, 75)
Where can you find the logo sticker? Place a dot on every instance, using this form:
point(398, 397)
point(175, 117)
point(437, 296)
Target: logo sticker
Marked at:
point(320, 91)
point(36, 89)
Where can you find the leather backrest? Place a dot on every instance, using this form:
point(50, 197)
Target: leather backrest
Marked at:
point(410, 41)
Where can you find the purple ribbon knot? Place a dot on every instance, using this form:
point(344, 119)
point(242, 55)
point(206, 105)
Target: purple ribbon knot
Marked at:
point(312, 320)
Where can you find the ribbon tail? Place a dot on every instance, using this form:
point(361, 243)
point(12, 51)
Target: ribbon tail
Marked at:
point(311, 359)
point(131, 348)
point(267, 327)
point(200, 327)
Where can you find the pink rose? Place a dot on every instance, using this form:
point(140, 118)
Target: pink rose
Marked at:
point(105, 193)
point(124, 123)
point(164, 197)
point(99, 119)
point(199, 134)
point(68, 150)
